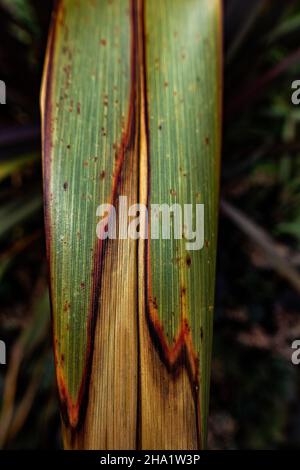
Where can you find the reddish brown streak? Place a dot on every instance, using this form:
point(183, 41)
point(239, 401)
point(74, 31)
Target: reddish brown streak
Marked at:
point(170, 354)
point(73, 412)
point(182, 352)
point(127, 141)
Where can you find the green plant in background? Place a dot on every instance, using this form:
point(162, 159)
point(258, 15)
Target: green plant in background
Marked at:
point(26, 382)
point(255, 387)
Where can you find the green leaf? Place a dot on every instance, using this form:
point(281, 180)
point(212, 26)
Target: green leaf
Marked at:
point(10, 166)
point(183, 55)
point(17, 211)
point(86, 104)
point(131, 106)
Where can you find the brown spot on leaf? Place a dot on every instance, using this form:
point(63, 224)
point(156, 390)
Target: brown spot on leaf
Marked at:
point(182, 171)
point(188, 260)
point(65, 185)
point(67, 306)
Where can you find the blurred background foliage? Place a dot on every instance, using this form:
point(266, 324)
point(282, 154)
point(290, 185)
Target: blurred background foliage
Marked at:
point(255, 388)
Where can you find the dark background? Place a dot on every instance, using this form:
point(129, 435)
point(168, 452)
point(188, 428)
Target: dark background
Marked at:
point(255, 388)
